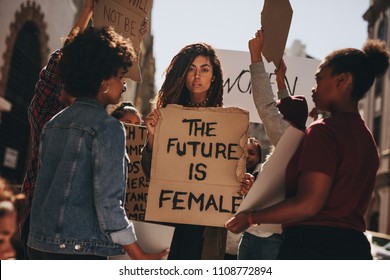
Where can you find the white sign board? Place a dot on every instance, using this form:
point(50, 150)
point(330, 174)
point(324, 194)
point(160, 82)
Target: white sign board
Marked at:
point(237, 80)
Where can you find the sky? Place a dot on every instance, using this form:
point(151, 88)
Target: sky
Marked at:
point(321, 25)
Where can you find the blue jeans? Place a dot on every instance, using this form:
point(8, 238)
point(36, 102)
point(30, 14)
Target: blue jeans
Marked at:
point(259, 248)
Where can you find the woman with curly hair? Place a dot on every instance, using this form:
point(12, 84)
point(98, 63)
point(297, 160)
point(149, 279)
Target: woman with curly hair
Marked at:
point(77, 210)
point(193, 79)
point(331, 176)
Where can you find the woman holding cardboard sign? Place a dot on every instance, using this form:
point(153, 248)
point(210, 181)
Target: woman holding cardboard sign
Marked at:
point(330, 179)
point(193, 79)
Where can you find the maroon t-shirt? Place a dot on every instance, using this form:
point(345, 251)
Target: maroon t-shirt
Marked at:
point(343, 148)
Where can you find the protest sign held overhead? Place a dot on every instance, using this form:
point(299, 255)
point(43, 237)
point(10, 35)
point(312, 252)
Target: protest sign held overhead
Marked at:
point(127, 17)
point(275, 21)
point(137, 183)
point(198, 160)
point(237, 79)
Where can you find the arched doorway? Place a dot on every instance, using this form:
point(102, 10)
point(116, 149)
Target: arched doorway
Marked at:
point(25, 65)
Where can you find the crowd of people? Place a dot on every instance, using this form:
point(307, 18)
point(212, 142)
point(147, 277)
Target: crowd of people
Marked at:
point(74, 200)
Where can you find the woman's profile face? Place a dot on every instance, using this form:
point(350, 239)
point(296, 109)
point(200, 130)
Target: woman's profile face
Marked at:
point(324, 93)
point(114, 87)
point(199, 76)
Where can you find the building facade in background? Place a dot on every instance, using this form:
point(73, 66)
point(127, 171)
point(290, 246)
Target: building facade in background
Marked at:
point(375, 109)
point(29, 32)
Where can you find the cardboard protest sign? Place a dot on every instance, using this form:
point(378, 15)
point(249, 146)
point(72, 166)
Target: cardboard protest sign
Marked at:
point(198, 160)
point(237, 79)
point(127, 17)
point(275, 21)
point(137, 183)
point(269, 187)
point(152, 238)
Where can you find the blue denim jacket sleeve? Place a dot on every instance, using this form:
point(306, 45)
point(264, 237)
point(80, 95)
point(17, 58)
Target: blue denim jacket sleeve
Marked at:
point(110, 167)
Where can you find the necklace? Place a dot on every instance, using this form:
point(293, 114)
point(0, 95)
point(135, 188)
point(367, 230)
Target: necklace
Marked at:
point(201, 104)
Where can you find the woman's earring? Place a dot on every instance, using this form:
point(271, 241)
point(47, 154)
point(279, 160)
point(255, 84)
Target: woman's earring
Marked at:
point(124, 87)
point(108, 87)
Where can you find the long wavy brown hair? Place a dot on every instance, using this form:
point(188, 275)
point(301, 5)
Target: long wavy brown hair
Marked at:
point(174, 91)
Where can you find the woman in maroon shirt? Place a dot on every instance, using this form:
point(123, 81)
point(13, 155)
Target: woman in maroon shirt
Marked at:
point(330, 178)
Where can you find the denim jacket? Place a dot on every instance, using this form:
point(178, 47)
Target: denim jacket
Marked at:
point(80, 190)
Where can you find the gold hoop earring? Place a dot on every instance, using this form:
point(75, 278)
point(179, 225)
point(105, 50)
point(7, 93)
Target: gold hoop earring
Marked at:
point(108, 87)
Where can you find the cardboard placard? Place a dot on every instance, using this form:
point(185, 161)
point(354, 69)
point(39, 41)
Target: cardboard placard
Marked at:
point(198, 160)
point(269, 187)
point(275, 20)
point(237, 80)
point(127, 17)
point(137, 183)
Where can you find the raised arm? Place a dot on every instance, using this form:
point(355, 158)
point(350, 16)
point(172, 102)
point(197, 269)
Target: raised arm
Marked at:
point(263, 96)
point(280, 74)
point(48, 98)
point(83, 20)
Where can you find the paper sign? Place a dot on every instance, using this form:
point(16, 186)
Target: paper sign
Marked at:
point(237, 80)
point(127, 17)
point(198, 160)
point(152, 238)
point(269, 187)
point(137, 183)
point(275, 21)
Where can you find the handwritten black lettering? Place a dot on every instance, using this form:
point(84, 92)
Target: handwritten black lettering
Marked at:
point(140, 4)
point(197, 200)
point(112, 15)
point(130, 26)
point(136, 216)
point(238, 82)
point(290, 91)
point(197, 125)
point(132, 196)
point(216, 150)
point(133, 131)
point(200, 170)
point(244, 85)
point(176, 200)
point(139, 207)
point(163, 197)
point(134, 167)
point(137, 183)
